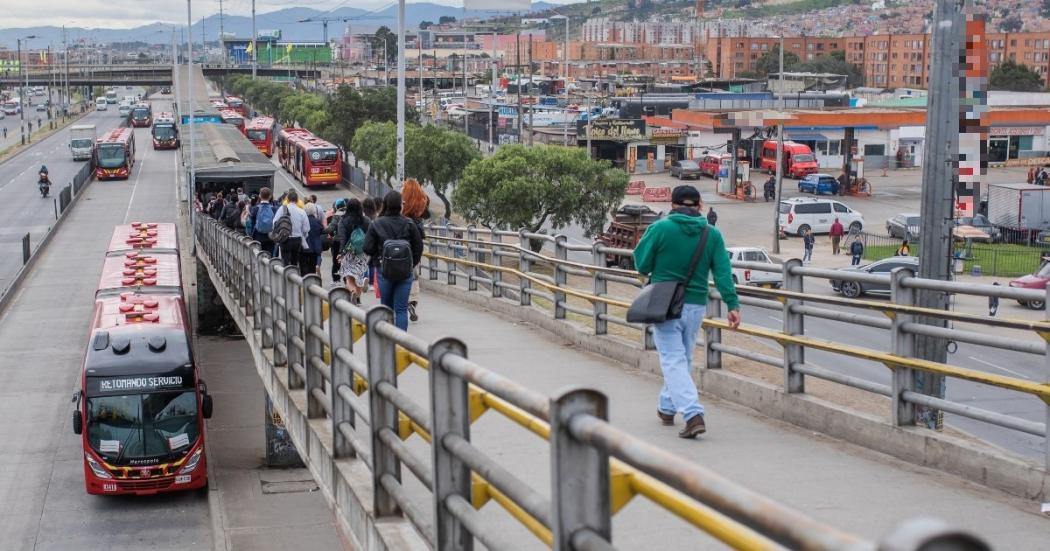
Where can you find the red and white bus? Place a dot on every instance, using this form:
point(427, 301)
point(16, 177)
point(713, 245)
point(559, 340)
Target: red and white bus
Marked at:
point(141, 405)
point(229, 116)
point(312, 161)
point(260, 132)
point(115, 154)
point(237, 104)
point(141, 115)
point(165, 133)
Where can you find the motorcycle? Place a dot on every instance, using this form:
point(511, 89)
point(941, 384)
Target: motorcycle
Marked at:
point(44, 184)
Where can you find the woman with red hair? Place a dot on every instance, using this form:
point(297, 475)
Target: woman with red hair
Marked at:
point(415, 205)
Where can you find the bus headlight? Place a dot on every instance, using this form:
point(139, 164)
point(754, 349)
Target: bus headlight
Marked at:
point(191, 465)
point(96, 467)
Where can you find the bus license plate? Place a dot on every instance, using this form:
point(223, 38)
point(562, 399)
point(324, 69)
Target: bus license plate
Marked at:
point(109, 487)
point(182, 479)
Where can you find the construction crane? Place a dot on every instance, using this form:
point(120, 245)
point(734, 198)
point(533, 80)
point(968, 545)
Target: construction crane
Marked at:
point(324, 20)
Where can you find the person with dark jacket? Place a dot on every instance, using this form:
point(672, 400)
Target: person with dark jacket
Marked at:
point(215, 206)
point(391, 225)
point(354, 268)
point(808, 241)
point(334, 231)
point(308, 259)
point(231, 215)
point(856, 250)
point(712, 217)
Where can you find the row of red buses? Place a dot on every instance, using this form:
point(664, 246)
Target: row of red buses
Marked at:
point(141, 115)
point(141, 405)
point(237, 104)
point(115, 154)
point(260, 132)
point(165, 133)
point(313, 161)
point(229, 116)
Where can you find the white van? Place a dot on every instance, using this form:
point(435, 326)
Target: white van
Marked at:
point(799, 214)
point(101, 104)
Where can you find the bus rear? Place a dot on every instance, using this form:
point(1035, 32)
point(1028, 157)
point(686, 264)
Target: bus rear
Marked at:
point(260, 132)
point(323, 166)
point(229, 116)
point(237, 104)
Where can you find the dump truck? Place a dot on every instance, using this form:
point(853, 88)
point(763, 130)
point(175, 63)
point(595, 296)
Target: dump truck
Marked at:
point(628, 224)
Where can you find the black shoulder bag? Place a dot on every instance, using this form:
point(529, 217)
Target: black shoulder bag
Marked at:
point(663, 300)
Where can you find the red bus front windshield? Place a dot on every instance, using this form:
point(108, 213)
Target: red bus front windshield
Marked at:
point(111, 155)
point(164, 132)
point(324, 156)
point(140, 113)
point(258, 135)
point(127, 429)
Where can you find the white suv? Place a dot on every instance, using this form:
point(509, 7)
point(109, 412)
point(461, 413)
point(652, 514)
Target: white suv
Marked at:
point(799, 214)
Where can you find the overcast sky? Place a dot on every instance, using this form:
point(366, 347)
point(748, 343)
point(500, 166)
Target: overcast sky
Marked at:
point(120, 14)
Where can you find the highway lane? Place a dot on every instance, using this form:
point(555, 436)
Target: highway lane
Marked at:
point(22, 209)
point(43, 504)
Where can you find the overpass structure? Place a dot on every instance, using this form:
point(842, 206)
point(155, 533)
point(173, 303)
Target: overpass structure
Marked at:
point(141, 75)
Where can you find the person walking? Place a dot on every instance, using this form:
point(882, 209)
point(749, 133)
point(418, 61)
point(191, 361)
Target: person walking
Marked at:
point(231, 215)
point(856, 249)
point(262, 215)
point(712, 216)
point(993, 303)
point(416, 207)
point(312, 252)
point(665, 253)
point(836, 233)
point(372, 207)
point(354, 269)
point(904, 249)
point(333, 231)
point(292, 245)
point(769, 189)
point(397, 244)
point(808, 241)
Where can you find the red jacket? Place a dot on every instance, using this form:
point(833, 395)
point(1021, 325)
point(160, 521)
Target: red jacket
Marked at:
point(836, 230)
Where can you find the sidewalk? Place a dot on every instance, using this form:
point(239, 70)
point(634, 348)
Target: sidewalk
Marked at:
point(253, 507)
point(844, 485)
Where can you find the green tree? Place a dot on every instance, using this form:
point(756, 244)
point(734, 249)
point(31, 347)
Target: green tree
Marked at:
point(384, 36)
point(424, 25)
point(446, 19)
point(375, 143)
point(1014, 77)
point(1011, 24)
point(1044, 8)
point(530, 187)
point(769, 62)
point(833, 62)
point(438, 157)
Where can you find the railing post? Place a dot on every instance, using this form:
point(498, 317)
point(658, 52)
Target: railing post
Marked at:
point(579, 471)
point(273, 270)
point(903, 345)
point(497, 260)
point(524, 264)
point(453, 253)
point(312, 316)
point(382, 366)
point(449, 414)
point(255, 281)
point(794, 324)
point(340, 326)
point(292, 303)
point(712, 335)
point(475, 256)
point(432, 245)
point(560, 276)
point(1046, 379)
point(599, 308)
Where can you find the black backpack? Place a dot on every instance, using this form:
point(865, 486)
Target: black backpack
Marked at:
point(282, 228)
point(395, 259)
point(232, 217)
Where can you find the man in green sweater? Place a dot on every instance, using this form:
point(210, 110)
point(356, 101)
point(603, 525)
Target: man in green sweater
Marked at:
point(664, 254)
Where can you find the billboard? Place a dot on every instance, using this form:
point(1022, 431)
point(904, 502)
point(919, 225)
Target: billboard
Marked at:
point(498, 5)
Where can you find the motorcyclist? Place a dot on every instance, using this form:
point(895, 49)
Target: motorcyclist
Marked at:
point(44, 184)
point(43, 173)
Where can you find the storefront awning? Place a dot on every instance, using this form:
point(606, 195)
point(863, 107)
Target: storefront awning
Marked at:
point(807, 137)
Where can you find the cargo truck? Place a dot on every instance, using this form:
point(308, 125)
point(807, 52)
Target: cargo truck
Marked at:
point(1019, 206)
point(82, 141)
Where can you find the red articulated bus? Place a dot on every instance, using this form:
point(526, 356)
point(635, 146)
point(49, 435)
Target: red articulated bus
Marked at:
point(237, 104)
point(115, 154)
point(229, 116)
point(165, 133)
point(260, 132)
point(141, 405)
point(141, 115)
point(312, 161)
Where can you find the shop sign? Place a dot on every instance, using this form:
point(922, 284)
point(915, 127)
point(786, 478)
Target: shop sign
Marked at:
point(665, 135)
point(616, 130)
point(1018, 131)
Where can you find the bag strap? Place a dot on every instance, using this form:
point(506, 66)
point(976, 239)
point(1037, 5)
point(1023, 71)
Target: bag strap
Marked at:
point(696, 255)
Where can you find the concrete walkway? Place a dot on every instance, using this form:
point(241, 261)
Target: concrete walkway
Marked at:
point(853, 488)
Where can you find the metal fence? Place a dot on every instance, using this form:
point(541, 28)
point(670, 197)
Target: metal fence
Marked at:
point(356, 177)
point(1005, 259)
point(506, 265)
point(312, 333)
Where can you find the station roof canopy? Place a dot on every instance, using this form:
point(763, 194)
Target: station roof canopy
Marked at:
point(864, 117)
point(221, 152)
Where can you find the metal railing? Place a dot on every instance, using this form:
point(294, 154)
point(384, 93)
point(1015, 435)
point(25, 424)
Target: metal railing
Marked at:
point(1000, 258)
point(509, 265)
point(596, 468)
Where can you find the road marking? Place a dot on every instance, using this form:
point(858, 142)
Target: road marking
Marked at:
point(135, 186)
point(776, 319)
point(289, 179)
point(1010, 371)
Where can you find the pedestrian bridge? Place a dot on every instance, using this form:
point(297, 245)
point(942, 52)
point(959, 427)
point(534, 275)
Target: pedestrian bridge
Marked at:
point(140, 74)
point(519, 412)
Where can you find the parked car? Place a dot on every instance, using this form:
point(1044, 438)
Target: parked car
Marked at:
point(1038, 280)
point(818, 184)
point(854, 289)
point(685, 168)
point(904, 226)
point(746, 276)
point(41, 107)
point(799, 214)
point(982, 223)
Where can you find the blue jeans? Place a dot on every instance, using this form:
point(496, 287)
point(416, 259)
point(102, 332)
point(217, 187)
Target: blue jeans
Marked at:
point(675, 341)
point(394, 295)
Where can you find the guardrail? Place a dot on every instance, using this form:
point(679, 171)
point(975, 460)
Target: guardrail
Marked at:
point(513, 265)
point(309, 335)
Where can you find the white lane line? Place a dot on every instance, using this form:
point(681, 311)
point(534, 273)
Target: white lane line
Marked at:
point(776, 319)
point(135, 186)
point(1000, 368)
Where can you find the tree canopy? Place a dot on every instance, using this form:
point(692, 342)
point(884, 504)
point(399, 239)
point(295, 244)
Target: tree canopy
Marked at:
point(1014, 77)
point(769, 62)
point(531, 187)
point(384, 36)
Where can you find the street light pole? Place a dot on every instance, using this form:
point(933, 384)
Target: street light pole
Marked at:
point(255, 51)
point(780, 158)
point(400, 91)
point(191, 106)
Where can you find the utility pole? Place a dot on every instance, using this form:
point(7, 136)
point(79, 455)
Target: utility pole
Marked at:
point(492, 88)
point(565, 83)
point(939, 173)
point(65, 46)
point(466, 116)
point(419, 67)
point(517, 77)
point(780, 157)
point(222, 37)
point(400, 92)
point(255, 51)
point(532, 108)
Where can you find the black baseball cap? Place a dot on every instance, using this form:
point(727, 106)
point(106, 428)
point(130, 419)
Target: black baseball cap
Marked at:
point(687, 196)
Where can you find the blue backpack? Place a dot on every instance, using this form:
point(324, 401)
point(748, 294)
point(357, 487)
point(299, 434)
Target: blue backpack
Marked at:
point(264, 219)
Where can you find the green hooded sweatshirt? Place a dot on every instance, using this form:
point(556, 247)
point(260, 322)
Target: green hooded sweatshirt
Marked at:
point(667, 247)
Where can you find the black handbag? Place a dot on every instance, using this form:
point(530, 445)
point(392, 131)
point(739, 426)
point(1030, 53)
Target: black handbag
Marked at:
point(663, 300)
